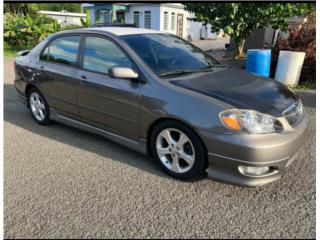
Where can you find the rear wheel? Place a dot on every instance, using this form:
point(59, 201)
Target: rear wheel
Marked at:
point(38, 107)
point(179, 150)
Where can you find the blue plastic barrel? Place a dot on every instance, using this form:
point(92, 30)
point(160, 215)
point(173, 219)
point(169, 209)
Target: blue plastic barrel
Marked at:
point(258, 61)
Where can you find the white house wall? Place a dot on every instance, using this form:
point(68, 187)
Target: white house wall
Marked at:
point(155, 14)
point(64, 18)
point(189, 27)
point(193, 28)
point(176, 11)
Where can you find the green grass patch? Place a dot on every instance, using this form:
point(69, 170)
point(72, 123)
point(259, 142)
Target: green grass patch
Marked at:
point(10, 53)
point(306, 85)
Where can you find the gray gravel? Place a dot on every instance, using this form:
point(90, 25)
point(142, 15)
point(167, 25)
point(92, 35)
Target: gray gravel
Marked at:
point(61, 182)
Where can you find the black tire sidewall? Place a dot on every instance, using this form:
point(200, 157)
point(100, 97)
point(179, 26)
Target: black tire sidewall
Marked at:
point(46, 120)
point(200, 163)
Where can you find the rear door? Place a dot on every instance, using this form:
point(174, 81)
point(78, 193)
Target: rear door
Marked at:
point(58, 65)
point(108, 103)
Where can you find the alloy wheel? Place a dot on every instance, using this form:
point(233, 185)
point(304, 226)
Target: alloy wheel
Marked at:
point(175, 150)
point(37, 106)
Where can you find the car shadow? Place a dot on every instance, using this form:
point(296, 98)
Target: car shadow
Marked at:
point(16, 113)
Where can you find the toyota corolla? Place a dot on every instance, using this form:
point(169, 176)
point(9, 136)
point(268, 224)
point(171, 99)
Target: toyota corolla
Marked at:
point(160, 95)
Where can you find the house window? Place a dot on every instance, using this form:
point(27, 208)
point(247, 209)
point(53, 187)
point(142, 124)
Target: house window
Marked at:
point(105, 16)
point(147, 19)
point(136, 18)
point(165, 21)
point(173, 21)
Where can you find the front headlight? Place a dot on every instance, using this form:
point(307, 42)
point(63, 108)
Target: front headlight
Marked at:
point(250, 121)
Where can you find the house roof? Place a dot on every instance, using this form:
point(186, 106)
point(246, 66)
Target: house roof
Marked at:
point(55, 13)
point(125, 30)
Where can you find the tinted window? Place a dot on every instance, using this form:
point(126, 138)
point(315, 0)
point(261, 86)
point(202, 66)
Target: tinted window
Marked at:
point(166, 53)
point(101, 54)
point(44, 55)
point(64, 50)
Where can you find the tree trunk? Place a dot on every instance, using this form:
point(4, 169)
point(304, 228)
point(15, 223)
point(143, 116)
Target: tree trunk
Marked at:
point(239, 47)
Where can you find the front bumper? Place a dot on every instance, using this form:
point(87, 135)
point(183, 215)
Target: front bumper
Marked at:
point(227, 152)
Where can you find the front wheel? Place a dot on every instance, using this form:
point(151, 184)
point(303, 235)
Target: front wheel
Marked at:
point(179, 150)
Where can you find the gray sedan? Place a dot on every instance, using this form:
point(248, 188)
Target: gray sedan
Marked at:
point(160, 95)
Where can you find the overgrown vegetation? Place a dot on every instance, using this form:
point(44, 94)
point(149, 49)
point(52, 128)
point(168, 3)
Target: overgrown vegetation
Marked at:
point(25, 27)
point(24, 31)
point(302, 38)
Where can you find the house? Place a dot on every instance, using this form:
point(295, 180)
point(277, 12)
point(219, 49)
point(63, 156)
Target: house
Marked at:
point(167, 17)
point(65, 18)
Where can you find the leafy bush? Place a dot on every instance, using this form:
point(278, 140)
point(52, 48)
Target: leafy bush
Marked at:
point(70, 27)
point(25, 31)
point(302, 38)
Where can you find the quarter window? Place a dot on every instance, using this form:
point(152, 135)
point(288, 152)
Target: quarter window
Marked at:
point(147, 19)
point(101, 54)
point(44, 55)
point(165, 22)
point(64, 50)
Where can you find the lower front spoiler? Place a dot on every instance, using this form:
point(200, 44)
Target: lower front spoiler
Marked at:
point(227, 170)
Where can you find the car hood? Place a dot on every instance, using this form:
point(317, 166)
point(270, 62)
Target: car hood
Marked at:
point(242, 90)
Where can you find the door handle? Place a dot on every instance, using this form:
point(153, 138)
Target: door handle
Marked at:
point(83, 78)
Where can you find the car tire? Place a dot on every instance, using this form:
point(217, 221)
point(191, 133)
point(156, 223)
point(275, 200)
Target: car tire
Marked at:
point(191, 156)
point(38, 106)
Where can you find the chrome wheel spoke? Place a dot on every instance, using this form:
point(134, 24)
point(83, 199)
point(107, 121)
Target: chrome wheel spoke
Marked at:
point(167, 136)
point(163, 151)
point(188, 158)
point(175, 163)
point(182, 140)
point(41, 106)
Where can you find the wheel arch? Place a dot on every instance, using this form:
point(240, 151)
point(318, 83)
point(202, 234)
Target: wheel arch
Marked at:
point(28, 88)
point(157, 121)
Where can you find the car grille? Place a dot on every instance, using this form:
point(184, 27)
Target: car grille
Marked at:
point(294, 113)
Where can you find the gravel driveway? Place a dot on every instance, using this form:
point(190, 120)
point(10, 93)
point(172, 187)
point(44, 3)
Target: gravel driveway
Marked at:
point(60, 182)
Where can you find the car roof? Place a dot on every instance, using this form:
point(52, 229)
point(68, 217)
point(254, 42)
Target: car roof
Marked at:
point(120, 31)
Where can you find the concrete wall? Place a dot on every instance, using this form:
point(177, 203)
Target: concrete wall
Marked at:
point(65, 18)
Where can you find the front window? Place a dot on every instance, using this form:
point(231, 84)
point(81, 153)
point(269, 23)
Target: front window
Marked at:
point(165, 53)
point(101, 54)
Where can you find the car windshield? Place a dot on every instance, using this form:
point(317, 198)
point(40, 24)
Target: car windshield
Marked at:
point(166, 54)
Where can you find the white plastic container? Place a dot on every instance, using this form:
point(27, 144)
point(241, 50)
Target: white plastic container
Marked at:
point(289, 67)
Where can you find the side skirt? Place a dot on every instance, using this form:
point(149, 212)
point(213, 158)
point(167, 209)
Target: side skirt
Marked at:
point(139, 146)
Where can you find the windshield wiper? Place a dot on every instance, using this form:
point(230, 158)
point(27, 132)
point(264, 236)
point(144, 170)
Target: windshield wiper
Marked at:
point(186, 71)
point(182, 71)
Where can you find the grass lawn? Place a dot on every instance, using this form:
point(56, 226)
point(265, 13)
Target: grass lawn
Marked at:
point(10, 53)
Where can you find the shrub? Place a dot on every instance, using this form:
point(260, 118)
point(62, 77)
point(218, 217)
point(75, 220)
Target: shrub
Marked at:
point(25, 31)
point(302, 38)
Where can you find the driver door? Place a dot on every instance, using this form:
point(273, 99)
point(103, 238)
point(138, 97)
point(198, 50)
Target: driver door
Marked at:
point(105, 102)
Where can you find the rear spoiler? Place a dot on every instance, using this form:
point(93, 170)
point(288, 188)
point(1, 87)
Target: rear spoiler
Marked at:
point(23, 53)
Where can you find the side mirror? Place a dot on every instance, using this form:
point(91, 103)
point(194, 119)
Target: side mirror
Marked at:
point(122, 72)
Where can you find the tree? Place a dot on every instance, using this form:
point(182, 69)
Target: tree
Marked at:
point(239, 20)
point(20, 8)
